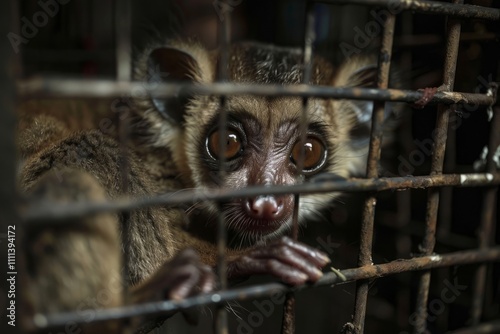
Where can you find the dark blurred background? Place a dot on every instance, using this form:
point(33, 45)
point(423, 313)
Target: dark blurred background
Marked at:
point(79, 41)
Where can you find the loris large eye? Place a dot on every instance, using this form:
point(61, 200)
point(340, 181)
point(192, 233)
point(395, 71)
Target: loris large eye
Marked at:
point(314, 154)
point(232, 147)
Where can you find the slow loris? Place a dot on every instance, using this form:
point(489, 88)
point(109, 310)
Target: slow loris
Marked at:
point(173, 146)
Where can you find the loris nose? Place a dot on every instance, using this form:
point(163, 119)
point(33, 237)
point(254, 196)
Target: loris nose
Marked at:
point(265, 207)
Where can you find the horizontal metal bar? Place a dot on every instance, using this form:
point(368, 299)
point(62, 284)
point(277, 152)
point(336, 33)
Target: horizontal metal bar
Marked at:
point(426, 7)
point(409, 41)
point(74, 88)
point(43, 210)
point(270, 289)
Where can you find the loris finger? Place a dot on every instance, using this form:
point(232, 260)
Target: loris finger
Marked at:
point(282, 247)
point(289, 257)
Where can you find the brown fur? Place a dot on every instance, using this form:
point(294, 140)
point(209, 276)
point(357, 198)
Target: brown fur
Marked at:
point(261, 64)
point(65, 161)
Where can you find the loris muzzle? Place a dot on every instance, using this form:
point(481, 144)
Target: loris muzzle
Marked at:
point(262, 141)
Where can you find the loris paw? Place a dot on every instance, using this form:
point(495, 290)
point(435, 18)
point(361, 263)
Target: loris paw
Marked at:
point(292, 262)
point(182, 277)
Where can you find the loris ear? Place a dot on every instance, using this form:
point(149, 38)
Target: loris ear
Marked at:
point(362, 72)
point(358, 72)
point(171, 65)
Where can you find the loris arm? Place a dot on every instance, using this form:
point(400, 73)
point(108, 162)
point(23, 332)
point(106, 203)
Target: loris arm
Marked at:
point(77, 264)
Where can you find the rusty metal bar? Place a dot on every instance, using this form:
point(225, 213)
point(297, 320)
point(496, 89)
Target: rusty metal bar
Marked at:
point(367, 225)
point(67, 88)
point(445, 213)
point(288, 324)
point(427, 246)
point(413, 41)
point(427, 7)
point(269, 289)
point(10, 233)
point(221, 319)
point(487, 227)
point(37, 213)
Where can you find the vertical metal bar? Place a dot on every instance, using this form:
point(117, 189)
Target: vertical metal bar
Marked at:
point(365, 253)
point(486, 229)
point(9, 220)
point(221, 322)
point(403, 238)
point(288, 326)
point(123, 43)
point(427, 246)
point(123, 74)
point(445, 214)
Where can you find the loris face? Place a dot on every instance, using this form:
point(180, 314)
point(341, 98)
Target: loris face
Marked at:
point(262, 140)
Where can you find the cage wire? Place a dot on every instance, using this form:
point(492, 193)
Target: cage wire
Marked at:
point(439, 184)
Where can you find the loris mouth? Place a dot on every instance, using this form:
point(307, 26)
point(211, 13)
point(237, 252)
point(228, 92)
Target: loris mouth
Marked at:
point(260, 215)
point(245, 226)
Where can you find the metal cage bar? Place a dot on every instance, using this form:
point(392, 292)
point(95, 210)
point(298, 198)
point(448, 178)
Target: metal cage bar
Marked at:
point(266, 290)
point(428, 7)
point(221, 322)
point(309, 38)
point(36, 213)
point(427, 246)
point(367, 225)
point(486, 252)
point(487, 227)
point(66, 88)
